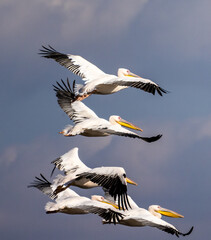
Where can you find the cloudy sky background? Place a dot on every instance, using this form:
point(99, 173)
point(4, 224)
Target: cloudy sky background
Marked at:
point(168, 42)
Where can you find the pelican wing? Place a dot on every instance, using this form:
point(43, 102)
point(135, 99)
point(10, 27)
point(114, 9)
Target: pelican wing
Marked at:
point(175, 231)
point(76, 110)
point(117, 130)
point(136, 82)
point(165, 226)
point(69, 162)
point(146, 139)
point(107, 212)
point(42, 184)
point(112, 179)
point(76, 64)
point(108, 197)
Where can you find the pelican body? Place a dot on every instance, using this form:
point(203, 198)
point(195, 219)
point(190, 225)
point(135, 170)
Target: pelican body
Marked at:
point(87, 123)
point(140, 217)
point(112, 179)
point(70, 202)
point(96, 81)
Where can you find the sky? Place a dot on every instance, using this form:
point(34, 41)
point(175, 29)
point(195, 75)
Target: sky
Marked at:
point(168, 42)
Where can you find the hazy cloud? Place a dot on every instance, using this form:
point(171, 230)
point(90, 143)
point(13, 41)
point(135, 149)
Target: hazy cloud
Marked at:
point(84, 17)
point(184, 27)
point(166, 41)
point(9, 155)
point(77, 19)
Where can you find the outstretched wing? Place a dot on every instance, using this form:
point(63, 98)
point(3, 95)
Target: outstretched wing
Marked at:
point(42, 184)
point(103, 210)
point(171, 229)
point(112, 179)
point(76, 110)
point(76, 64)
point(120, 131)
point(138, 82)
point(146, 139)
point(69, 162)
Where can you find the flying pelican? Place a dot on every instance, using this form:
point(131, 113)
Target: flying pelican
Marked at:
point(96, 81)
point(70, 202)
point(140, 217)
point(112, 179)
point(87, 123)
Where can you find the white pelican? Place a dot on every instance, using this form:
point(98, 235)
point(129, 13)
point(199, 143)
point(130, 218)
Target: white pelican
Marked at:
point(87, 123)
point(70, 202)
point(112, 179)
point(140, 217)
point(96, 81)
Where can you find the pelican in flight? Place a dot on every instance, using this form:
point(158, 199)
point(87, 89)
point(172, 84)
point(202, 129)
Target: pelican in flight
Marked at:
point(140, 217)
point(112, 179)
point(70, 202)
point(87, 123)
point(96, 81)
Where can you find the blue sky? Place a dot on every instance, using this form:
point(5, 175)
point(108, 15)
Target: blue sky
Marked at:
point(165, 41)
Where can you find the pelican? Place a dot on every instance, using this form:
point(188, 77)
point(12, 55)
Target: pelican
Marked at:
point(70, 202)
point(140, 217)
point(112, 179)
point(96, 81)
point(87, 123)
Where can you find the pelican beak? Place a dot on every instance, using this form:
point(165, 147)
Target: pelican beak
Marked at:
point(133, 75)
point(169, 213)
point(112, 204)
point(66, 135)
point(128, 180)
point(127, 124)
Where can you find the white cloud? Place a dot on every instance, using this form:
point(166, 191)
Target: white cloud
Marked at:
point(148, 164)
point(77, 19)
point(205, 129)
point(41, 148)
point(184, 27)
point(46, 148)
point(84, 18)
point(9, 155)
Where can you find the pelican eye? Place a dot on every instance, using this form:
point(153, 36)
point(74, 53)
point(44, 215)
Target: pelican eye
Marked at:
point(124, 175)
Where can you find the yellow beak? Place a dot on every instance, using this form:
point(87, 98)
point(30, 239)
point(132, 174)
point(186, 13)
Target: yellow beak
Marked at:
point(169, 213)
point(127, 124)
point(128, 180)
point(132, 75)
point(112, 204)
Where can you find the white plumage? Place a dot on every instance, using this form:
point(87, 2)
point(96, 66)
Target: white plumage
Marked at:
point(70, 202)
point(112, 179)
point(140, 217)
point(87, 123)
point(96, 81)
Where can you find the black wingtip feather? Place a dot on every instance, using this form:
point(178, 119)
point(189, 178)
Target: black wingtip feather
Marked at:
point(39, 182)
point(151, 139)
point(188, 233)
point(53, 170)
point(65, 91)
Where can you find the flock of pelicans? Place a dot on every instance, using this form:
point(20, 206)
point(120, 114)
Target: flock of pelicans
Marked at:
point(116, 207)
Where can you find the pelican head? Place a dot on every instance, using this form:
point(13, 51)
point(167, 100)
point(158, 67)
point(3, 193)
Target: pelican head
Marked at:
point(123, 72)
point(128, 180)
point(97, 198)
point(158, 211)
point(117, 119)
